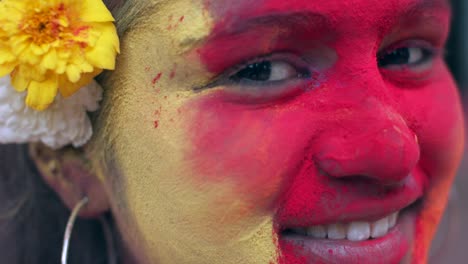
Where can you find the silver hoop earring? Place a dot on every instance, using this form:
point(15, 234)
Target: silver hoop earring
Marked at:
point(68, 230)
point(111, 254)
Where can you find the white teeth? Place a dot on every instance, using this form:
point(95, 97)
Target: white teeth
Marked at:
point(317, 232)
point(379, 228)
point(392, 219)
point(336, 231)
point(354, 231)
point(358, 231)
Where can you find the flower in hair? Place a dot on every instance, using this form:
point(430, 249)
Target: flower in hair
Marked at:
point(64, 122)
point(55, 46)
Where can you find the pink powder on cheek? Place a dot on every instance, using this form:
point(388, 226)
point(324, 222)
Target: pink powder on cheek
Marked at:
point(263, 149)
point(259, 150)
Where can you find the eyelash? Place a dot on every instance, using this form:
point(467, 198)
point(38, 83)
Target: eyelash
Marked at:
point(258, 91)
point(296, 64)
point(408, 50)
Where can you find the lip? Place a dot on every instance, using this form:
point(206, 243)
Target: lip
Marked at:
point(363, 203)
point(392, 248)
point(354, 205)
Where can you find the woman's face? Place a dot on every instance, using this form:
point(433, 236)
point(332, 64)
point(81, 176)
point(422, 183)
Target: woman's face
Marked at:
point(272, 131)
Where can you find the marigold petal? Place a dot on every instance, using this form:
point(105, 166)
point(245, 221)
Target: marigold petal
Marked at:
point(37, 49)
point(6, 58)
point(29, 57)
point(6, 68)
point(19, 43)
point(19, 81)
point(30, 72)
point(67, 88)
point(103, 54)
point(5, 55)
point(95, 11)
point(49, 61)
point(42, 94)
point(73, 73)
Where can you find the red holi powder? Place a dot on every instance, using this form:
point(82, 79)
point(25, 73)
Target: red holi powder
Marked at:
point(173, 72)
point(156, 78)
point(292, 156)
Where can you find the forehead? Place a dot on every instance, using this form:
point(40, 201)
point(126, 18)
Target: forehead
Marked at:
point(332, 9)
point(337, 6)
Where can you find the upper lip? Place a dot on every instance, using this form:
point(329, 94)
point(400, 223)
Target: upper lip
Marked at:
point(350, 207)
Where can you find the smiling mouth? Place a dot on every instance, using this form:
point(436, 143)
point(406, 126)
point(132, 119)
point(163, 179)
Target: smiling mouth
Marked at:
point(386, 240)
point(356, 231)
point(353, 231)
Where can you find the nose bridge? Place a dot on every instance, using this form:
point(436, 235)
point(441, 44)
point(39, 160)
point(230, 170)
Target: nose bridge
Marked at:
point(374, 142)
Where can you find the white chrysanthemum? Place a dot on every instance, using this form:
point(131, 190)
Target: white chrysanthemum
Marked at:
point(64, 122)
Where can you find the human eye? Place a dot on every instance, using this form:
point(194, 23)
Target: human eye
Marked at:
point(264, 71)
point(411, 55)
point(265, 78)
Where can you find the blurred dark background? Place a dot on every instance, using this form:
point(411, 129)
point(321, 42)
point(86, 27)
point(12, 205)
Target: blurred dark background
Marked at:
point(451, 244)
point(457, 54)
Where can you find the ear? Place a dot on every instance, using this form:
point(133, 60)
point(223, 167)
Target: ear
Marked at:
point(69, 174)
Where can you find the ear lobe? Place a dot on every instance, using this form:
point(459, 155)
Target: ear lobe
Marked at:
point(69, 174)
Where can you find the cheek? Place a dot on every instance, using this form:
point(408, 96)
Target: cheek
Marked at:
point(435, 115)
point(257, 149)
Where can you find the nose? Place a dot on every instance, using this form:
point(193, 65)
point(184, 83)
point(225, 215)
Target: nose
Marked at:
point(374, 143)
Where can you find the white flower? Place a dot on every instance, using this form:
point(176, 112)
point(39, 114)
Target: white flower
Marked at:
point(65, 122)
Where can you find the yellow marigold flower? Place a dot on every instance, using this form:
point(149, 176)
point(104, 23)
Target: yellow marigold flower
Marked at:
point(51, 46)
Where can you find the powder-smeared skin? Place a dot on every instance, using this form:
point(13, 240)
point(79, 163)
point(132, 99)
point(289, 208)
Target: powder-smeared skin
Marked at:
point(359, 121)
point(218, 176)
point(169, 217)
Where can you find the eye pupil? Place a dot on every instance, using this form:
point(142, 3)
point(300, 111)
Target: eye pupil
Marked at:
point(395, 57)
point(259, 71)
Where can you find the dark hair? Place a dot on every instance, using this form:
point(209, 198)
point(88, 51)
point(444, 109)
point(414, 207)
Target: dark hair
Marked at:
point(32, 216)
point(33, 219)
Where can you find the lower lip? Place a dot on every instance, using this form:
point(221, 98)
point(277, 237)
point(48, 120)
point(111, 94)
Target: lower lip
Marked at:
point(391, 248)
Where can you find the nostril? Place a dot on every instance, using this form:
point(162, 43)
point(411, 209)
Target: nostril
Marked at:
point(334, 169)
point(387, 157)
point(330, 167)
point(365, 181)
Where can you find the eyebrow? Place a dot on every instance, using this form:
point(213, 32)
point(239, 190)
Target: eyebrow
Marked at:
point(302, 19)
